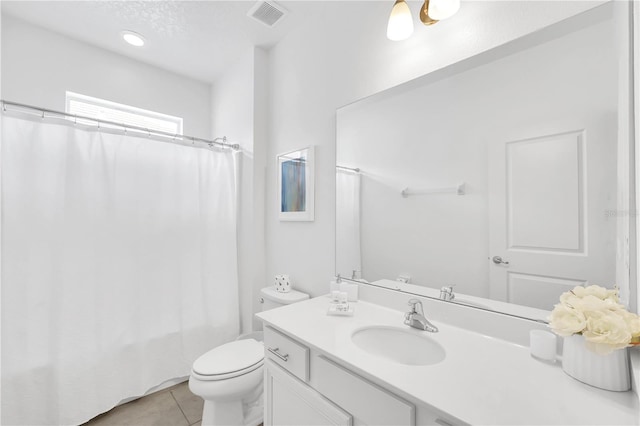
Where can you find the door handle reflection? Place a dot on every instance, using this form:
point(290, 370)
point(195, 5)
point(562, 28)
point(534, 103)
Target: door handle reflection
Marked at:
point(498, 260)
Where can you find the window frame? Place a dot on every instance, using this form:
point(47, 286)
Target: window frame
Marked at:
point(103, 103)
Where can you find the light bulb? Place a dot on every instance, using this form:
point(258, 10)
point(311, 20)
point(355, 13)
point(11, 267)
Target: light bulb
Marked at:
point(443, 9)
point(400, 25)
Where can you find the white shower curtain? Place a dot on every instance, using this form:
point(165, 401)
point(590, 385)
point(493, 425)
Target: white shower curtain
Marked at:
point(118, 266)
point(348, 254)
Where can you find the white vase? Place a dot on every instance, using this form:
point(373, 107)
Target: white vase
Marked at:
point(610, 372)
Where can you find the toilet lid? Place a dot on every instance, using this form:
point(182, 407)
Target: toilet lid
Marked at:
point(233, 357)
point(292, 296)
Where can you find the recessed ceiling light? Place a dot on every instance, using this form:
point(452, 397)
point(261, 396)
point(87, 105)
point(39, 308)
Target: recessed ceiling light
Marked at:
point(133, 38)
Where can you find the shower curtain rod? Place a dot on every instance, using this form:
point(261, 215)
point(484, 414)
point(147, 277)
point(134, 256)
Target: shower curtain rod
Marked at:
point(222, 141)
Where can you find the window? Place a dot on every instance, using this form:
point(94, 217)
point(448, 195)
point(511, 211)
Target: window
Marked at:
point(118, 113)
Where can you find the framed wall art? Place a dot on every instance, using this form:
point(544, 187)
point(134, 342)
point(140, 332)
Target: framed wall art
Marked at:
point(296, 185)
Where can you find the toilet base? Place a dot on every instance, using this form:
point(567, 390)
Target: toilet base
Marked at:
point(222, 413)
point(253, 407)
point(246, 412)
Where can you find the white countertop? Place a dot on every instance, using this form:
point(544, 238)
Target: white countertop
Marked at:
point(483, 380)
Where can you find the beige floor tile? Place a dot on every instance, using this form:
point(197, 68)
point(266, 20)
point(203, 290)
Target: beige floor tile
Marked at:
point(158, 409)
point(198, 423)
point(185, 383)
point(190, 404)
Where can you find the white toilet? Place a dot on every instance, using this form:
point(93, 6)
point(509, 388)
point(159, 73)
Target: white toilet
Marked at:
point(229, 378)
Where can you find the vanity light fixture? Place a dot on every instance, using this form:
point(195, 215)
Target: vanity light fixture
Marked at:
point(400, 25)
point(133, 38)
point(424, 14)
point(443, 9)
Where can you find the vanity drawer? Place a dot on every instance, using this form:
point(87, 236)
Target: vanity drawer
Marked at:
point(365, 401)
point(286, 352)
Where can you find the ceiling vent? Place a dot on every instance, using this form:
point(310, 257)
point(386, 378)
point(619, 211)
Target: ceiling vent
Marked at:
point(267, 12)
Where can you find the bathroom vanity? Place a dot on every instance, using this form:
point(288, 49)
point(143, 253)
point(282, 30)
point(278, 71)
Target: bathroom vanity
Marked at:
point(317, 373)
point(336, 395)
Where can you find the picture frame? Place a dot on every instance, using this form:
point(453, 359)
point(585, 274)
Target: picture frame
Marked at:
point(296, 185)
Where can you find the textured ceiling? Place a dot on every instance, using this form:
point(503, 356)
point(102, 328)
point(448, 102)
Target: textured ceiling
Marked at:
point(193, 38)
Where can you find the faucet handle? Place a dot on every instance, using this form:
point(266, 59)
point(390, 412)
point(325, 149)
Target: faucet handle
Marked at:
point(414, 303)
point(446, 292)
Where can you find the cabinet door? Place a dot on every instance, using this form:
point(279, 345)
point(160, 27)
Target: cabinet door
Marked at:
point(289, 402)
point(368, 403)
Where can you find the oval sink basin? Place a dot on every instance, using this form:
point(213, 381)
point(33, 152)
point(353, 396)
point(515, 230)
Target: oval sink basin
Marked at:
point(398, 345)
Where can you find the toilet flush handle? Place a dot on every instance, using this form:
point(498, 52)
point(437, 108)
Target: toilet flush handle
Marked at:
point(276, 352)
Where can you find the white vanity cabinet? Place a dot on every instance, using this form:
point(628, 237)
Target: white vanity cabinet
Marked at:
point(290, 402)
point(304, 387)
point(288, 399)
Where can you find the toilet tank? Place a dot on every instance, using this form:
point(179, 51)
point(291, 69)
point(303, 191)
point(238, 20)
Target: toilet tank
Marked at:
point(271, 299)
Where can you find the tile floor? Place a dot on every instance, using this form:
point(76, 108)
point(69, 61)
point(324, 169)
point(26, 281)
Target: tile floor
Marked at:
point(174, 406)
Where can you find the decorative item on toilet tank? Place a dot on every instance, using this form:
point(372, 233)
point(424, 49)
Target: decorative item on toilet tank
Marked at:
point(283, 283)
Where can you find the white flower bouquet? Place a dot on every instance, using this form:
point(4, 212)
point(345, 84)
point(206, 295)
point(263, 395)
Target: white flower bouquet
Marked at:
point(597, 314)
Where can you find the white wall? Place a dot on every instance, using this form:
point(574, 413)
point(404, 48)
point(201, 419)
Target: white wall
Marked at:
point(346, 56)
point(38, 66)
point(238, 111)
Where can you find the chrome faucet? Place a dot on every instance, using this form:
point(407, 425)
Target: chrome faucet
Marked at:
point(415, 317)
point(446, 293)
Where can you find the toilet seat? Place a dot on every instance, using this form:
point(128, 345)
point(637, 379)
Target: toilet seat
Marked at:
point(230, 360)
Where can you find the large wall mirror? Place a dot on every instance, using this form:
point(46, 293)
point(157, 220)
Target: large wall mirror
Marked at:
point(502, 176)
